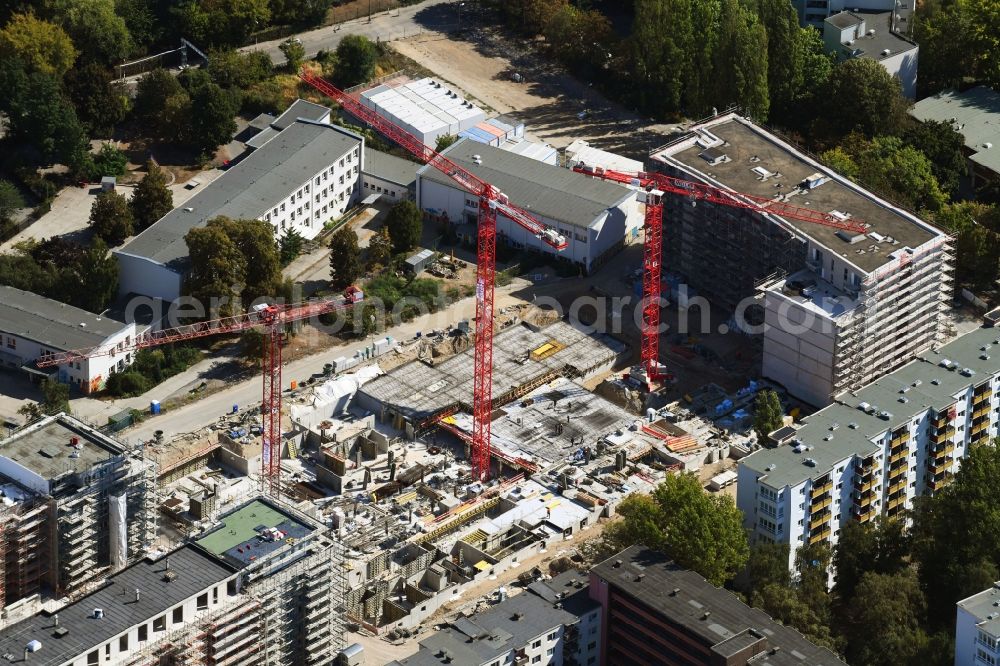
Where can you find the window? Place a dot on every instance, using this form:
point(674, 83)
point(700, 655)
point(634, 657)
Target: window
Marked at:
point(537, 658)
point(93, 658)
point(982, 656)
point(536, 644)
point(107, 650)
point(341, 179)
point(178, 616)
point(592, 645)
point(326, 176)
point(12, 343)
point(341, 163)
point(317, 182)
point(550, 651)
point(591, 660)
point(143, 632)
point(123, 643)
point(160, 623)
point(282, 208)
point(768, 494)
point(767, 525)
point(215, 595)
point(554, 635)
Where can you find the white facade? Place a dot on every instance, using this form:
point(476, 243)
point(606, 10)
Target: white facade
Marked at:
point(319, 199)
point(590, 241)
point(581, 153)
point(814, 12)
point(390, 191)
point(875, 450)
point(425, 108)
point(868, 36)
point(977, 629)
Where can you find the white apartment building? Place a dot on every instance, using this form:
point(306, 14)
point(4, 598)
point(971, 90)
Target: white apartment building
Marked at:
point(840, 309)
point(33, 327)
point(597, 218)
point(977, 629)
point(814, 12)
point(306, 174)
point(874, 450)
point(856, 35)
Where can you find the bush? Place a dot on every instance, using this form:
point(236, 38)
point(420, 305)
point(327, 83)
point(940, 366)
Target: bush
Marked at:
point(127, 384)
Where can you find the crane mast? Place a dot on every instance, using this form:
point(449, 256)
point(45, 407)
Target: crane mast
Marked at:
point(491, 202)
point(652, 188)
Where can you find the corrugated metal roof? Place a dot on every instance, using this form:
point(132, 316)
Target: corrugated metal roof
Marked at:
point(546, 190)
point(249, 189)
point(53, 324)
point(193, 571)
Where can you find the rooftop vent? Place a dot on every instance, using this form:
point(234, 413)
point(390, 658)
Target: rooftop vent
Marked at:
point(98, 613)
point(771, 468)
point(674, 592)
point(853, 425)
point(809, 462)
point(617, 564)
point(850, 238)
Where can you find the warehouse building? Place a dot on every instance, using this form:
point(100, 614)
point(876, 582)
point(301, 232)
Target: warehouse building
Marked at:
point(260, 587)
point(597, 218)
point(33, 327)
point(840, 310)
point(425, 108)
point(655, 612)
point(307, 174)
point(875, 450)
point(76, 505)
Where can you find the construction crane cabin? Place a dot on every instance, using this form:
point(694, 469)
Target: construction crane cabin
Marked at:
point(491, 202)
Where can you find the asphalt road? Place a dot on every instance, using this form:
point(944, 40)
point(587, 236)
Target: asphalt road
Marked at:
point(387, 26)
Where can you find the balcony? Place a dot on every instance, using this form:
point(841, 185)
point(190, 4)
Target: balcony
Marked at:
point(822, 503)
point(865, 515)
point(899, 471)
point(899, 455)
point(938, 481)
point(944, 450)
point(816, 538)
point(864, 499)
point(896, 487)
point(943, 436)
point(865, 486)
point(979, 398)
point(821, 489)
point(894, 503)
point(819, 520)
point(899, 438)
point(981, 412)
point(980, 428)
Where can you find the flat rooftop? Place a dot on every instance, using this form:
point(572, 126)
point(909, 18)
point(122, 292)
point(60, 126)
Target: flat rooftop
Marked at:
point(241, 538)
point(539, 188)
point(975, 114)
point(46, 447)
point(79, 631)
point(924, 383)
point(815, 294)
point(983, 606)
point(749, 147)
point(731, 624)
point(391, 168)
point(53, 324)
point(872, 46)
point(417, 390)
point(249, 189)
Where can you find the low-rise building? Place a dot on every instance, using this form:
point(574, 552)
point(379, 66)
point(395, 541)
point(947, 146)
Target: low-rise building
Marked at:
point(856, 35)
point(305, 175)
point(875, 449)
point(977, 629)
point(33, 327)
point(425, 108)
point(394, 178)
point(581, 153)
point(812, 13)
point(597, 218)
point(655, 612)
point(975, 114)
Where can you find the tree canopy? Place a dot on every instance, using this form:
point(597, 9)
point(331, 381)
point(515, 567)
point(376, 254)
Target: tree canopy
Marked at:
point(869, 99)
point(356, 56)
point(111, 218)
point(42, 46)
point(405, 224)
point(151, 199)
point(345, 258)
point(767, 414)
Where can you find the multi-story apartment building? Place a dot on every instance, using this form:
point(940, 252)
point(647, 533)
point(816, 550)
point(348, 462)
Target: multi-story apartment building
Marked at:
point(655, 612)
point(839, 309)
point(305, 172)
point(259, 588)
point(874, 450)
point(553, 622)
point(76, 505)
point(33, 327)
point(977, 629)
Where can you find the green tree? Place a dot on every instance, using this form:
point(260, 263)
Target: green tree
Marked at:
point(881, 547)
point(10, 200)
point(290, 246)
point(218, 268)
point(345, 258)
point(405, 225)
point(641, 523)
point(31, 412)
point(869, 99)
point(40, 117)
point(294, 52)
point(660, 48)
point(128, 384)
point(111, 218)
point(838, 160)
point(55, 397)
point(956, 536)
point(444, 141)
point(100, 102)
point(379, 249)
point(90, 279)
point(221, 23)
point(235, 69)
point(99, 33)
point(579, 36)
point(152, 93)
point(768, 414)
point(41, 46)
point(741, 62)
point(530, 17)
point(109, 161)
point(141, 21)
point(299, 12)
point(975, 227)
point(151, 198)
point(943, 146)
point(900, 172)
point(785, 53)
point(214, 124)
point(356, 56)
point(768, 565)
point(255, 240)
point(884, 620)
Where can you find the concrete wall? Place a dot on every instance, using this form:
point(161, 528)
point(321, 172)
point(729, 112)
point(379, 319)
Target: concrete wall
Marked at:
point(390, 191)
point(143, 276)
point(799, 349)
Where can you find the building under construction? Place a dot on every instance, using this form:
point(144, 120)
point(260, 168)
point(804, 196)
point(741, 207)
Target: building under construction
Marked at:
point(264, 585)
point(840, 309)
point(76, 505)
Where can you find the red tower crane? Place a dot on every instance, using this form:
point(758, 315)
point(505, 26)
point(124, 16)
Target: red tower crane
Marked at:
point(272, 319)
point(491, 201)
point(652, 188)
